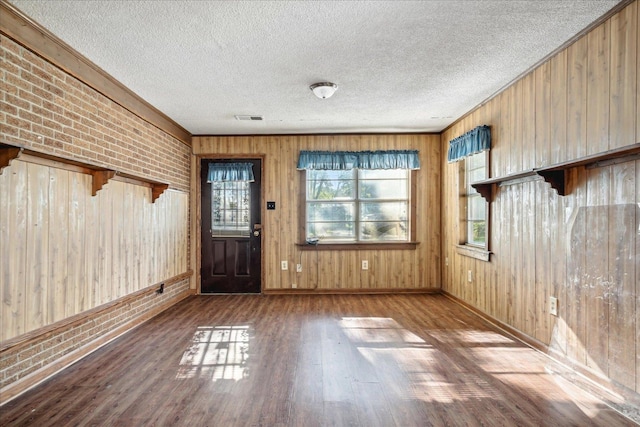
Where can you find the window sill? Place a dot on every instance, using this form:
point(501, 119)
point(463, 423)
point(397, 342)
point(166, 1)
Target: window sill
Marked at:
point(358, 246)
point(473, 252)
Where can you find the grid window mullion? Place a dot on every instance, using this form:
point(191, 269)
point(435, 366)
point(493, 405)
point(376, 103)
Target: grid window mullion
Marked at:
point(386, 208)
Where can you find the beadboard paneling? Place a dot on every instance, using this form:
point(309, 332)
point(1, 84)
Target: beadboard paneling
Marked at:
point(63, 251)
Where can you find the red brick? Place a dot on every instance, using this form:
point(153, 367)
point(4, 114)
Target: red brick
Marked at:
point(19, 123)
point(41, 130)
point(26, 115)
point(52, 107)
point(51, 124)
point(42, 74)
point(31, 78)
point(62, 120)
point(44, 94)
point(54, 71)
point(7, 108)
point(10, 67)
point(33, 58)
point(63, 137)
point(18, 61)
point(16, 101)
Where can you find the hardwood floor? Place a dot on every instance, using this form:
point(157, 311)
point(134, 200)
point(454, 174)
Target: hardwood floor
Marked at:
point(311, 360)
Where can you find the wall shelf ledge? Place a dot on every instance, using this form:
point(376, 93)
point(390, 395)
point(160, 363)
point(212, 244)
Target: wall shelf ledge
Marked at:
point(100, 176)
point(556, 175)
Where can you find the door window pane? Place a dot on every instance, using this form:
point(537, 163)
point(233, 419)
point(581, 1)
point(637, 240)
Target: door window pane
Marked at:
point(230, 204)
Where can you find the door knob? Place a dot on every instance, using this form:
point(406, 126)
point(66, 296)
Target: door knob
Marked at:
point(256, 233)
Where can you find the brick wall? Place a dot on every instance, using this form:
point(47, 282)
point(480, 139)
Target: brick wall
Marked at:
point(23, 359)
point(45, 109)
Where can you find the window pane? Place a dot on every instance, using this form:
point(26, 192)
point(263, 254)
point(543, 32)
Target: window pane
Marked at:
point(475, 170)
point(379, 189)
point(476, 175)
point(477, 208)
point(383, 211)
point(477, 232)
point(331, 190)
point(317, 211)
point(396, 230)
point(383, 173)
point(330, 175)
point(331, 231)
point(330, 185)
point(475, 161)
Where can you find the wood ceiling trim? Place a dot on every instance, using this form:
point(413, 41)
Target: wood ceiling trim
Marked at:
point(28, 33)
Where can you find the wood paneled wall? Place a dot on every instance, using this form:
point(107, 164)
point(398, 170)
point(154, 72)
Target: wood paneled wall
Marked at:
point(332, 270)
point(63, 251)
point(583, 248)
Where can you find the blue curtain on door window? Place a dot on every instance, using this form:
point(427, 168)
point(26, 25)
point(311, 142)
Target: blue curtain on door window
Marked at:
point(345, 160)
point(472, 142)
point(230, 172)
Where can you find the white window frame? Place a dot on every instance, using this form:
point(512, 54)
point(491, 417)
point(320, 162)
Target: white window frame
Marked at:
point(467, 246)
point(358, 202)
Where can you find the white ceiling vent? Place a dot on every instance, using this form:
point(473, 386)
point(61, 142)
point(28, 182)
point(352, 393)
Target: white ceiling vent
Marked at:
point(246, 117)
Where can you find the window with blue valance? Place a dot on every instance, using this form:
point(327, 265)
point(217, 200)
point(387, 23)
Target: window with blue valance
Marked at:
point(230, 172)
point(472, 142)
point(345, 160)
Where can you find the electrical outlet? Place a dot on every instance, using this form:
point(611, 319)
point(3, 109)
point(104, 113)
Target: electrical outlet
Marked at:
point(284, 265)
point(293, 286)
point(446, 261)
point(299, 268)
point(553, 306)
point(365, 264)
point(469, 276)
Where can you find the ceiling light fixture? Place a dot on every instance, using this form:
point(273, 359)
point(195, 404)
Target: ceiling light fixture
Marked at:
point(323, 90)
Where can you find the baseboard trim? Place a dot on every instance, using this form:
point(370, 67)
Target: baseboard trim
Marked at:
point(367, 291)
point(519, 335)
point(579, 375)
point(22, 385)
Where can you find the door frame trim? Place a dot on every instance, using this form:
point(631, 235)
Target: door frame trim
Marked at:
point(196, 212)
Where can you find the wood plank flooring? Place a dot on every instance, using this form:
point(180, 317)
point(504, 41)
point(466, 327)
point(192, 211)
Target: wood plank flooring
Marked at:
point(311, 360)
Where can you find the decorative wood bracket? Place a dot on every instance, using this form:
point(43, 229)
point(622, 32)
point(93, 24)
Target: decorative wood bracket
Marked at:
point(485, 190)
point(99, 176)
point(556, 175)
point(7, 154)
point(556, 178)
point(157, 190)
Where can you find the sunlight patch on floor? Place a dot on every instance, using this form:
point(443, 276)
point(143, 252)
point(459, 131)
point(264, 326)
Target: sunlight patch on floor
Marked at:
point(217, 353)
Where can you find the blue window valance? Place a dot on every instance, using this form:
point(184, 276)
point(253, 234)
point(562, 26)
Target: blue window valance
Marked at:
point(472, 142)
point(230, 172)
point(344, 160)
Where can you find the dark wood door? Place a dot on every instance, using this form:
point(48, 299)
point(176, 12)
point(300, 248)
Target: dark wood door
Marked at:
point(231, 232)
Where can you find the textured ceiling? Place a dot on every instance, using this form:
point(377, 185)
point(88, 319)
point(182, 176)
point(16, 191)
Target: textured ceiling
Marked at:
point(401, 66)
